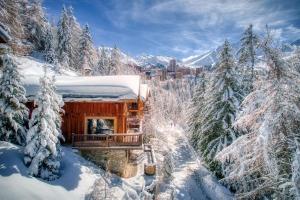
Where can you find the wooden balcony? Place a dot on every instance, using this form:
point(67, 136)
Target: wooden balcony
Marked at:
point(120, 141)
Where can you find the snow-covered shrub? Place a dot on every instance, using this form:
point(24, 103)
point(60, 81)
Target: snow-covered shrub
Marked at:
point(265, 161)
point(43, 151)
point(13, 111)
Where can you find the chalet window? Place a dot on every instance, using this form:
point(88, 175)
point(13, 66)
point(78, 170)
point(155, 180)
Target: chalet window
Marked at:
point(133, 106)
point(97, 125)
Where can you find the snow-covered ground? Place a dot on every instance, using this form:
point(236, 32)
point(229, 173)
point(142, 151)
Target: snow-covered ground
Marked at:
point(78, 176)
point(80, 179)
point(35, 67)
point(191, 180)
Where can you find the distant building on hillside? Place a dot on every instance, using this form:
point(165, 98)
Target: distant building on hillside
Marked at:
point(172, 66)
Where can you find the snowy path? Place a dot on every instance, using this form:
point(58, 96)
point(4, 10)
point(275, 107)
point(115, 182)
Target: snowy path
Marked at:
point(191, 180)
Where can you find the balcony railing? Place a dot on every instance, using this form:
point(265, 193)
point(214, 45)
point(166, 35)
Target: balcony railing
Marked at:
point(120, 140)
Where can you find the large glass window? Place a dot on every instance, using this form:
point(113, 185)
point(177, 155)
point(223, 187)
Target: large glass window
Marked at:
point(100, 126)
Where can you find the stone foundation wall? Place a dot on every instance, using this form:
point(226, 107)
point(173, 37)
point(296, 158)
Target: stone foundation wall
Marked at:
point(114, 161)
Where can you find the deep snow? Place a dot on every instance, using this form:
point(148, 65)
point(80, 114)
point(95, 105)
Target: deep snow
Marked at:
point(78, 176)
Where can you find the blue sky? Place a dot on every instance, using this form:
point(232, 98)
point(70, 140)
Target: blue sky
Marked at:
point(179, 28)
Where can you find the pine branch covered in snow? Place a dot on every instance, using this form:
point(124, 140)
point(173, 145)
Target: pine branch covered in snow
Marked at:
point(13, 111)
point(42, 151)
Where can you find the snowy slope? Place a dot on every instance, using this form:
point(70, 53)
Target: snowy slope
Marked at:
point(78, 176)
point(208, 58)
point(32, 66)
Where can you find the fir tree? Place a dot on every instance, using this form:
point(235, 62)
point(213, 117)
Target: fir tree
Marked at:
point(102, 64)
point(50, 54)
point(247, 54)
point(85, 48)
point(36, 24)
point(218, 112)
point(74, 53)
point(13, 111)
point(42, 151)
point(64, 39)
point(115, 62)
point(195, 109)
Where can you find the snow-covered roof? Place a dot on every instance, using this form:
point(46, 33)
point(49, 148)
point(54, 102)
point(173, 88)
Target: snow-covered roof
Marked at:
point(92, 88)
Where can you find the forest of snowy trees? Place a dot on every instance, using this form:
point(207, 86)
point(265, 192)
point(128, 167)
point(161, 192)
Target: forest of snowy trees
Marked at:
point(242, 116)
point(244, 120)
point(66, 45)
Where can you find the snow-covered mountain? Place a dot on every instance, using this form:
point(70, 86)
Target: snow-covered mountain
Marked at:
point(125, 58)
point(296, 43)
point(208, 58)
point(151, 60)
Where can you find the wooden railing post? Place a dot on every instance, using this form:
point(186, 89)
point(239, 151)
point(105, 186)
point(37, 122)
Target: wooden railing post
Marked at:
point(73, 139)
point(107, 143)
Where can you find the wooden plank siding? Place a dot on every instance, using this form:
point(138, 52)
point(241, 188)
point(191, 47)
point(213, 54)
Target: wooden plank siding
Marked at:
point(76, 112)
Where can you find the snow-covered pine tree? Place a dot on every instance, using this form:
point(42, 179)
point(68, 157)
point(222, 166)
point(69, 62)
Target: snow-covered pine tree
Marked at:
point(115, 62)
point(264, 163)
point(11, 18)
point(75, 34)
point(247, 57)
point(218, 111)
point(64, 39)
point(103, 63)
point(57, 103)
point(85, 48)
point(195, 109)
point(36, 24)
point(42, 151)
point(50, 53)
point(13, 111)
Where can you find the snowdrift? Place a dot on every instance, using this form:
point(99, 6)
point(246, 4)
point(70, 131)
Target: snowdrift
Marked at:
point(78, 176)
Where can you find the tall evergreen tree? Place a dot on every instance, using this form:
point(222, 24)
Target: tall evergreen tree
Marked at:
point(75, 35)
point(50, 53)
point(42, 151)
point(13, 111)
point(103, 63)
point(115, 62)
point(195, 108)
point(247, 54)
point(218, 112)
point(64, 39)
point(85, 48)
point(36, 24)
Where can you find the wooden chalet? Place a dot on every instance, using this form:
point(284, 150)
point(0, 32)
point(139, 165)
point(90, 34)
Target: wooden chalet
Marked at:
point(100, 112)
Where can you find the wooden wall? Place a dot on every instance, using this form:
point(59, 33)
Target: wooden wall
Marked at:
point(76, 112)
